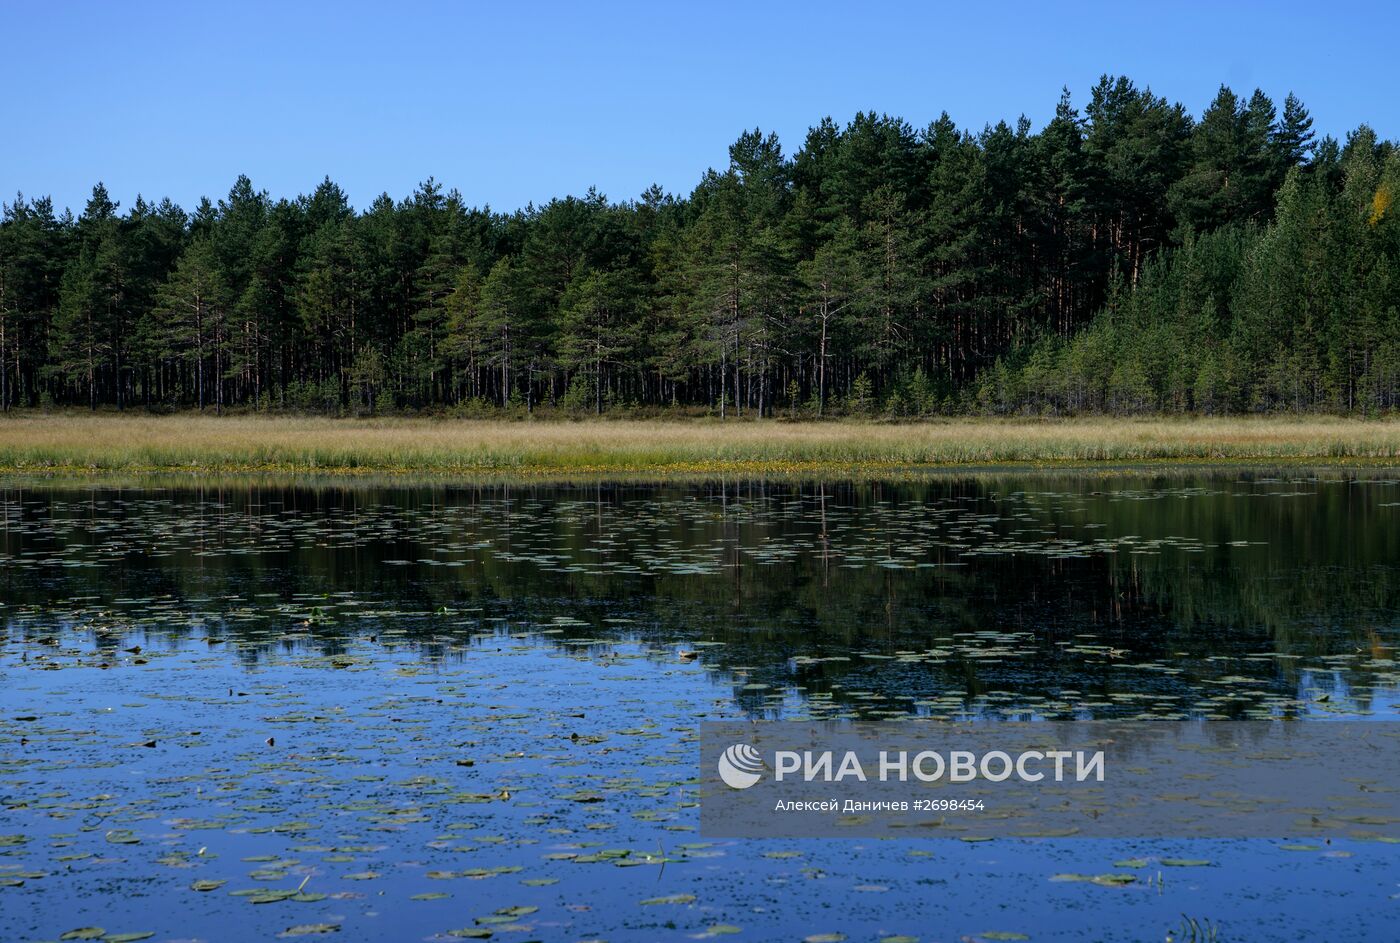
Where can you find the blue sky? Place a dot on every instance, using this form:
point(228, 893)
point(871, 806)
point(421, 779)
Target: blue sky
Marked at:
point(517, 101)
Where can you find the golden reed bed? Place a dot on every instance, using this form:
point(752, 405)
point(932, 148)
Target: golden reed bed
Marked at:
point(81, 443)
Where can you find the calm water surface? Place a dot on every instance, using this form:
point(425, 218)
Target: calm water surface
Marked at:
point(446, 712)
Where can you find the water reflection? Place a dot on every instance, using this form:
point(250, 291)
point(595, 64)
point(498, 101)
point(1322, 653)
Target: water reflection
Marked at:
point(1038, 595)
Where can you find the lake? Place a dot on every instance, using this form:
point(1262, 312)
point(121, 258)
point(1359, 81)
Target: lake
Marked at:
point(427, 711)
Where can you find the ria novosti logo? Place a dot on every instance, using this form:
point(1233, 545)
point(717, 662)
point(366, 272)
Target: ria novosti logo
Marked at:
point(740, 766)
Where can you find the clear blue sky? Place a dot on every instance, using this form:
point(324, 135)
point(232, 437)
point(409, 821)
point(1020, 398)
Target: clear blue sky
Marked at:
point(519, 101)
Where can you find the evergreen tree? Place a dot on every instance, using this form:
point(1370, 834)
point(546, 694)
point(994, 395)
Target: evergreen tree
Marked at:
point(193, 308)
point(598, 327)
point(89, 329)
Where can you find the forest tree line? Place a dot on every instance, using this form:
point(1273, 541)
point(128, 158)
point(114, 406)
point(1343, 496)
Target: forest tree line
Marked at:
point(1129, 257)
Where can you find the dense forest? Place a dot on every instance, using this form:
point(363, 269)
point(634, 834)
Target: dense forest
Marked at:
point(1126, 257)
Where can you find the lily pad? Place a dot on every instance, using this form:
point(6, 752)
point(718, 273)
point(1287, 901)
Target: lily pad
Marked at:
point(310, 929)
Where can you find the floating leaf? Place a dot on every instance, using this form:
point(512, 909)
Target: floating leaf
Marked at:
point(267, 897)
point(1105, 880)
point(310, 929)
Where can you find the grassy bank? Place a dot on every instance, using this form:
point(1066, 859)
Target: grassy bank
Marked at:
point(79, 443)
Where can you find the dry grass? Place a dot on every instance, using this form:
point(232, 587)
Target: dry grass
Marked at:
point(83, 443)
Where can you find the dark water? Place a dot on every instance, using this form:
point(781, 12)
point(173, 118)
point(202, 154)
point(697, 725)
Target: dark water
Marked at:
point(417, 713)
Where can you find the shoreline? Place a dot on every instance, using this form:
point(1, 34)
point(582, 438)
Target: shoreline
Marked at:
point(84, 447)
